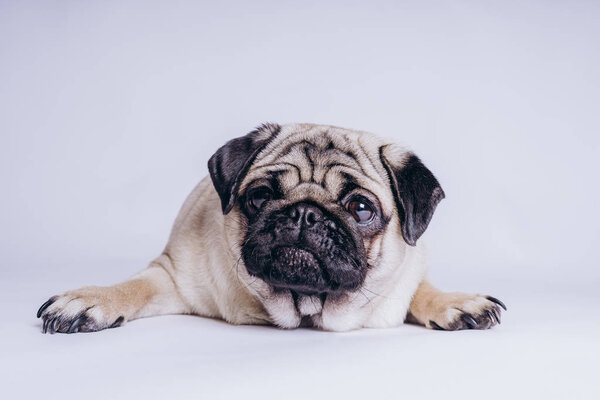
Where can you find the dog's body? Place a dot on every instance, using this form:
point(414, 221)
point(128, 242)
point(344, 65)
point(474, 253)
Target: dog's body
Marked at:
point(301, 225)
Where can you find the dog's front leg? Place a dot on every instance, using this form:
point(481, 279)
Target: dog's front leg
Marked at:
point(93, 308)
point(453, 311)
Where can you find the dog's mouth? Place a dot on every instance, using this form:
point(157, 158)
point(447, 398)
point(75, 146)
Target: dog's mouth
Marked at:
point(298, 270)
point(304, 270)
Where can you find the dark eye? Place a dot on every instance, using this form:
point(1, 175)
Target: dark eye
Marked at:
point(259, 196)
point(360, 210)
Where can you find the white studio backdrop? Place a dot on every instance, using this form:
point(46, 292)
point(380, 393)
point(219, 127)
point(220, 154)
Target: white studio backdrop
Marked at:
point(110, 110)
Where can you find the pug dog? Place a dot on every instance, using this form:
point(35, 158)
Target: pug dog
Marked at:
point(298, 225)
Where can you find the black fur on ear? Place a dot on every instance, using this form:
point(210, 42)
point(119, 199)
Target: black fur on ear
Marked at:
point(416, 191)
point(229, 165)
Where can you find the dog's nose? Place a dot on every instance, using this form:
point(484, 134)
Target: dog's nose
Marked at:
point(305, 214)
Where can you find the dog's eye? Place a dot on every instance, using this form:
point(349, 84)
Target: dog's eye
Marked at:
point(360, 210)
point(259, 196)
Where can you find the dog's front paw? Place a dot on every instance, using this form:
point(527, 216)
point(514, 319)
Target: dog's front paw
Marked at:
point(84, 310)
point(456, 311)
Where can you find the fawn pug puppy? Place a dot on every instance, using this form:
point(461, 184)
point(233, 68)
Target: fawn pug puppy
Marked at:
point(298, 225)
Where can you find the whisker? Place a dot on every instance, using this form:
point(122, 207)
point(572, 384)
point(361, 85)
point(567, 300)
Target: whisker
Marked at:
point(381, 295)
point(365, 296)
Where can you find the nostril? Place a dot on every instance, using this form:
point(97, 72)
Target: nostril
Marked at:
point(310, 217)
point(304, 214)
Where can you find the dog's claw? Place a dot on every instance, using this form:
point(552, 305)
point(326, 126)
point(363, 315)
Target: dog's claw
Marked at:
point(469, 320)
point(46, 305)
point(76, 324)
point(436, 326)
point(495, 300)
point(497, 315)
point(117, 323)
point(53, 325)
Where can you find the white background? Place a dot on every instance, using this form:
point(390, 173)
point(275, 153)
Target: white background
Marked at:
point(110, 110)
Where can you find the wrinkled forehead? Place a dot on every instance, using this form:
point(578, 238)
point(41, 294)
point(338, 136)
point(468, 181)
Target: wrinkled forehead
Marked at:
point(315, 160)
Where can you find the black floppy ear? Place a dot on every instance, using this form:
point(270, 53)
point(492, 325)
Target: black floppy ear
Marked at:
point(229, 165)
point(416, 191)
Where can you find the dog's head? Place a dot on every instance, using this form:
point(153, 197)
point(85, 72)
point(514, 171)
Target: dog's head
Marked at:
point(313, 205)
